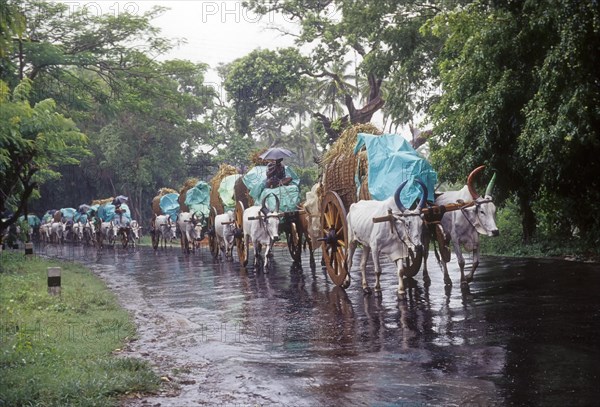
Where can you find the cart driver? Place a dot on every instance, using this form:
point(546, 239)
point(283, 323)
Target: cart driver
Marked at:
point(276, 174)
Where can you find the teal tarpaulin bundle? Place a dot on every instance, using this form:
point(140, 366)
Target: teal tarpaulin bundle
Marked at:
point(169, 205)
point(107, 213)
point(256, 177)
point(68, 213)
point(198, 198)
point(32, 220)
point(392, 160)
point(289, 198)
point(226, 191)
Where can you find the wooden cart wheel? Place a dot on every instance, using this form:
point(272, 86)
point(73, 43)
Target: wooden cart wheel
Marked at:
point(294, 242)
point(239, 234)
point(413, 263)
point(213, 242)
point(335, 238)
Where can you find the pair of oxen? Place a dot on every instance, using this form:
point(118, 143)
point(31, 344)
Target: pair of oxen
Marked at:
point(388, 229)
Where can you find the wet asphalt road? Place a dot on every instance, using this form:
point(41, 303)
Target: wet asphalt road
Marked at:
point(524, 335)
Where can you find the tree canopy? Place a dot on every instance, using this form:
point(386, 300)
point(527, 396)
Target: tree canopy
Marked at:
point(520, 94)
point(34, 141)
point(509, 84)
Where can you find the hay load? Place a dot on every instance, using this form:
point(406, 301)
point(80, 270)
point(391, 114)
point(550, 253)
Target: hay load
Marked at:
point(156, 200)
point(101, 202)
point(225, 170)
point(187, 185)
point(340, 164)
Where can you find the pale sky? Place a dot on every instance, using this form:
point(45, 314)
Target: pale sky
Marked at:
point(215, 31)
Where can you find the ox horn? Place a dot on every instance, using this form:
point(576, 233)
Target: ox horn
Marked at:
point(490, 187)
point(276, 203)
point(264, 210)
point(423, 200)
point(472, 191)
point(397, 197)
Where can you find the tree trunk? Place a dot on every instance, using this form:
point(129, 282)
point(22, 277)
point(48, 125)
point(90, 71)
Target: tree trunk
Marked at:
point(528, 221)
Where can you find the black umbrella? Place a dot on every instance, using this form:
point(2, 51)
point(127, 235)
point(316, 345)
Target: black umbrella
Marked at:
point(121, 199)
point(275, 153)
point(83, 208)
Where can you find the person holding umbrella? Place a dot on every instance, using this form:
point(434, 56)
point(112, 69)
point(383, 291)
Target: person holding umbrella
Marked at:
point(275, 168)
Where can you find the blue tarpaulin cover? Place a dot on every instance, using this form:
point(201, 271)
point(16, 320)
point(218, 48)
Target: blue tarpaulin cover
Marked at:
point(93, 208)
point(198, 198)
point(106, 212)
point(289, 198)
point(256, 177)
point(226, 191)
point(68, 213)
point(169, 205)
point(32, 220)
point(392, 160)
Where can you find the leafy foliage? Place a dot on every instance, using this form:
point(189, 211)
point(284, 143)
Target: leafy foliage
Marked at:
point(520, 94)
point(34, 141)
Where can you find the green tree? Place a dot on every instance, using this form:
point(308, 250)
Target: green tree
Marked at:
point(383, 39)
point(34, 141)
point(519, 93)
point(77, 57)
point(333, 88)
point(257, 82)
point(157, 124)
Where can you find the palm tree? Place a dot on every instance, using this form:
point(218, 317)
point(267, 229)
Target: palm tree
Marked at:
point(334, 88)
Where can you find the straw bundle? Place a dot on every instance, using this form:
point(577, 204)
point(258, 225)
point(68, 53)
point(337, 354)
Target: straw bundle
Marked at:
point(187, 185)
point(224, 171)
point(340, 164)
point(102, 201)
point(156, 200)
point(255, 157)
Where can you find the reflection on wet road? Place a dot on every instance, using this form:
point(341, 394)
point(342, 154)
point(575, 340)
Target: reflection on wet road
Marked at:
point(525, 334)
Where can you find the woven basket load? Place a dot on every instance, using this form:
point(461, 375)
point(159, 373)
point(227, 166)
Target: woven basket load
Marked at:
point(224, 171)
point(187, 185)
point(156, 200)
point(340, 164)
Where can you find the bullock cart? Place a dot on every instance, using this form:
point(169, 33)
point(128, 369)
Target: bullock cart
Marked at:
point(192, 220)
point(222, 200)
point(165, 203)
point(365, 165)
point(281, 201)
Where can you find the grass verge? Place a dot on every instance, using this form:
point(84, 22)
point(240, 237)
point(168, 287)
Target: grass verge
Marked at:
point(62, 350)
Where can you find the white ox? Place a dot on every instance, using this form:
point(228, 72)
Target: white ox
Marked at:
point(57, 232)
point(108, 231)
point(166, 230)
point(135, 232)
point(261, 227)
point(463, 227)
point(393, 237)
point(224, 232)
point(78, 232)
point(89, 232)
point(45, 229)
point(186, 223)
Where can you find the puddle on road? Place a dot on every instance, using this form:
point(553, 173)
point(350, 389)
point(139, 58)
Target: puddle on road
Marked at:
point(523, 335)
